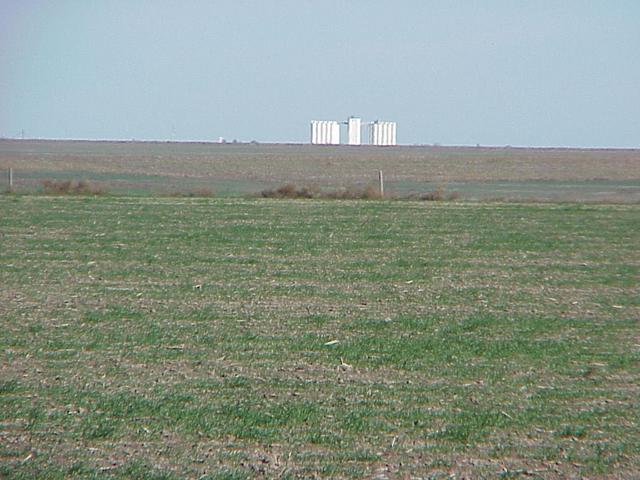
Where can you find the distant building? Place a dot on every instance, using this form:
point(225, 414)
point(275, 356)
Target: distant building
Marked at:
point(382, 133)
point(353, 131)
point(325, 132)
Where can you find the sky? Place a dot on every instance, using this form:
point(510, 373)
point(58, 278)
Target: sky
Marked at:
point(452, 72)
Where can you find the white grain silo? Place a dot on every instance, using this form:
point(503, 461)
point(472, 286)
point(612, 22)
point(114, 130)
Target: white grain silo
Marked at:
point(325, 132)
point(382, 133)
point(336, 133)
point(374, 133)
point(314, 132)
point(353, 131)
point(317, 134)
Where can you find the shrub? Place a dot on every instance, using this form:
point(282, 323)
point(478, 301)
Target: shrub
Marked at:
point(354, 192)
point(68, 187)
point(370, 192)
point(436, 196)
point(289, 190)
point(439, 195)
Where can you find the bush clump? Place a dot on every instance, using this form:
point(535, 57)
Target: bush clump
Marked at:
point(353, 192)
point(290, 190)
point(439, 195)
point(370, 192)
point(68, 187)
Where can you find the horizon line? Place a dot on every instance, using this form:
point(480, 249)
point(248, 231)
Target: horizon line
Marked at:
point(298, 143)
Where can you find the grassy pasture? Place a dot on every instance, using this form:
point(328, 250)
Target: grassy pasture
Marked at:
point(141, 168)
point(233, 338)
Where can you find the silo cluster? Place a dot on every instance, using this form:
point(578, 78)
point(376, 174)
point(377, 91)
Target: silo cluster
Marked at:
point(382, 133)
point(325, 132)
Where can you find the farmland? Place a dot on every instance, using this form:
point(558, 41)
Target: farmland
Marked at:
point(156, 337)
point(475, 173)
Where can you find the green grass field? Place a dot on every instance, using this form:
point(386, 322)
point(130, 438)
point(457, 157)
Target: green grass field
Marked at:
point(159, 338)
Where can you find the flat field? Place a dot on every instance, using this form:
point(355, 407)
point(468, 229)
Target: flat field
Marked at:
point(475, 173)
point(237, 338)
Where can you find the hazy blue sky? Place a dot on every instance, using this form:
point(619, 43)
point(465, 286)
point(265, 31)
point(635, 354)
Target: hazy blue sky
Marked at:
point(493, 72)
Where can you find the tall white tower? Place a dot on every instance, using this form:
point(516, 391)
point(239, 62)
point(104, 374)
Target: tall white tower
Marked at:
point(353, 131)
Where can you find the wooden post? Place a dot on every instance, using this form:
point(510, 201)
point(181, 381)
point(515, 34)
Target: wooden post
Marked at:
point(381, 183)
point(11, 179)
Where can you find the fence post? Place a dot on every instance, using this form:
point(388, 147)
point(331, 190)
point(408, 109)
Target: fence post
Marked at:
point(381, 183)
point(10, 179)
